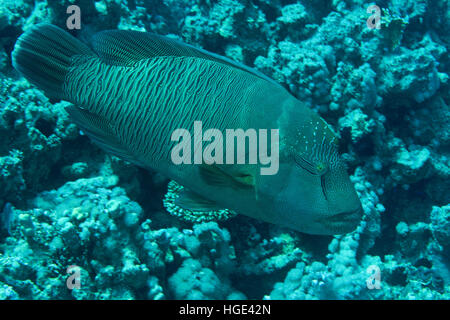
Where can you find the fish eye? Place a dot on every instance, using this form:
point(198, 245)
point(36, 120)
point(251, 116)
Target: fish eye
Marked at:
point(317, 169)
point(321, 168)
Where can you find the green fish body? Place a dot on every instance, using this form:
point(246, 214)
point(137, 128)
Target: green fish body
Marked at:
point(132, 90)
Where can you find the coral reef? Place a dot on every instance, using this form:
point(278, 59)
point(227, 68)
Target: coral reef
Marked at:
point(64, 202)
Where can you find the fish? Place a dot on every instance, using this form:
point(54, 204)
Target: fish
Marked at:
point(7, 217)
point(130, 90)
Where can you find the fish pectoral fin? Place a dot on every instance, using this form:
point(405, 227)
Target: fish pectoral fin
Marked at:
point(213, 175)
point(101, 132)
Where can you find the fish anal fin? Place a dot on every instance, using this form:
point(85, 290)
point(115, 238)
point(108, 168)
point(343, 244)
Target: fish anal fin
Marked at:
point(195, 202)
point(101, 132)
point(190, 206)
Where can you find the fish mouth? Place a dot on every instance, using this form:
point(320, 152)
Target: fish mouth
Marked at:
point(342, 222)
point(346, 216)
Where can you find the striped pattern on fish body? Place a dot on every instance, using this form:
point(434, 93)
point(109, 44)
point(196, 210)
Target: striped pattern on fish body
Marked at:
point(147, 101)
point(131, 90)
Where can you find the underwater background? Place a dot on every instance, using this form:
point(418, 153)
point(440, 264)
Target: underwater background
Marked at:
point(381, 81)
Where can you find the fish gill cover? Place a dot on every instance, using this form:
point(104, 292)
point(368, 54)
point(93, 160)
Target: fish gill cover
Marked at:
point(80, 223)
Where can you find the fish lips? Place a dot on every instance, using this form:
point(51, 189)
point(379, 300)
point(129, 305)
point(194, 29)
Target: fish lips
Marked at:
point(343, 222)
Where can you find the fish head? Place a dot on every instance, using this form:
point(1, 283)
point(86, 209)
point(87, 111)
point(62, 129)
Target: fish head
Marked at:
point(325, 204)
point(312, 191)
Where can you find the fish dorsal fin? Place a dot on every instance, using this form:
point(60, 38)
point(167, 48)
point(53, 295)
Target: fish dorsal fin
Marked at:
point(190, 206)
point(126, 47)
point(101, 132)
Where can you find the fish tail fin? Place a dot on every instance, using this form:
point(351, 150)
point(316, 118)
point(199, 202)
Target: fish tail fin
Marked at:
point(43, 55)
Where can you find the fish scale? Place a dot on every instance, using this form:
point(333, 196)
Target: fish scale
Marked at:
point(163, 102)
